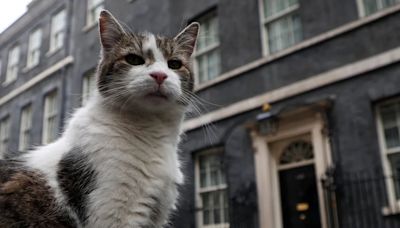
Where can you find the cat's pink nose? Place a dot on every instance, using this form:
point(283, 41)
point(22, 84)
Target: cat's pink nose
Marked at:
point(159, 77)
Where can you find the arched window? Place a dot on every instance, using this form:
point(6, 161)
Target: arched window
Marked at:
point(297, 151)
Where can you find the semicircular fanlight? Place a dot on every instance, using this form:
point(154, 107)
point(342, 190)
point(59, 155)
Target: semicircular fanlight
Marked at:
point(297, 151)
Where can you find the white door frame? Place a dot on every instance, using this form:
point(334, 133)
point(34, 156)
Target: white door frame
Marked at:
point(306, 122)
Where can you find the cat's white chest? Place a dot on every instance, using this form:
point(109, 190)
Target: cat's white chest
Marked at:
point(134, 188)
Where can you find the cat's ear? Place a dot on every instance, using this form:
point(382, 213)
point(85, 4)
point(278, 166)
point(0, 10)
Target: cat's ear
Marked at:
point(187, 38)
point(110, 30)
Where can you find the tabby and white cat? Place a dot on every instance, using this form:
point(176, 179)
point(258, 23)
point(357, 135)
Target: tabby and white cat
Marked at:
point(116, 164)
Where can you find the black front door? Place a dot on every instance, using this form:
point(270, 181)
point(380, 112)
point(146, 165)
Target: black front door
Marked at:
point(299, 198)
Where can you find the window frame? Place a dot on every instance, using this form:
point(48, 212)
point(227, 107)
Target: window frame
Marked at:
point(30, 61)
point(88, 85)
point(393, 201)
point(47, 116)
point(199, 190)
point(267, 20)
point(362, 12)
point(53, 40)
point(207, 50)
point(25, 128)
point(89, 8)
point(12, 66)
point(4, 140)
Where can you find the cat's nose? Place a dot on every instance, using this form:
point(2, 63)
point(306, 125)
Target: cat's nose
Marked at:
point(159, 77)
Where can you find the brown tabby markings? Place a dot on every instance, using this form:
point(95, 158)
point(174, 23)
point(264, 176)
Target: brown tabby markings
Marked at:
point(27, 201)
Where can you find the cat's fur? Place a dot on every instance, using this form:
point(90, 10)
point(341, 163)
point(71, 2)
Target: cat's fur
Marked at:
point(116, 164)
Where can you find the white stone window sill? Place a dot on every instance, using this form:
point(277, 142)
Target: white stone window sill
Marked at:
point(52, 52)
point(28, 68)
point(6, 83)
point(89, 27)
point(393, 209)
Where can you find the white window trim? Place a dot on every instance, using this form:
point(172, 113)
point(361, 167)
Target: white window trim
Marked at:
point(264, 32)
point(393, 203)
point(47, 116)
point(204, 51)
point(29, 64)
point(25, 128)
point(361, 8)
point(198, 190)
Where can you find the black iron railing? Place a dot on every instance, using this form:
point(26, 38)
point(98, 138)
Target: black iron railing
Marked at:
point(360, 199)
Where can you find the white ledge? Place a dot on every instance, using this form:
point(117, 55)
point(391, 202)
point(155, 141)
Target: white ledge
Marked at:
point(302, 45)
point(38, 78)
point(329, 77)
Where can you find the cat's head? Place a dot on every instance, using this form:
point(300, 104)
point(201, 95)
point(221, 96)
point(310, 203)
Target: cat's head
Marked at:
point(144, 71)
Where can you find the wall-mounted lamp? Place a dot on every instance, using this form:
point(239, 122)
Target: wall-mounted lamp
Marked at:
point(267, 123)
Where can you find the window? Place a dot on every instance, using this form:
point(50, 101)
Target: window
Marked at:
point(207, 53)
point(4, 135)
point(58, 23)
point(88, 85)
point(93, 11)
point(389, 133)
point(367, 7)
point(50, 118)
point(12, 66)
point(35, 41)
point(25, 128)
point(282, 26)
point(211, 194)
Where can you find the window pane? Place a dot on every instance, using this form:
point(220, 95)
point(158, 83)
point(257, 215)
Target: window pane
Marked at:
point(49, 120)
point(58, 23)
point(202, 68)
point(12, 66)
point(26, 123)
point(88, 86)
point(372, 6)
point(284, 33)
point(4, 135)
point(34, 48)
point(272, 7)
point(215, 209)
point(213, 64)
point(211, 170)
point(208, 56)
point(390, 121)
point(394, 160)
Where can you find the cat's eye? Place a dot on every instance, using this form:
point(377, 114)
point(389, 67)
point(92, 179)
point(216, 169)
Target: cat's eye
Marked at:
point(134, 59)
point(174, 64)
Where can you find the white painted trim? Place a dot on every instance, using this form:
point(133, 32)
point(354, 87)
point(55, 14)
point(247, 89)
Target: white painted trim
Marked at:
point(264, 45)
point(360, 8)
point(393, 203)
point(299, 87)
point(295, 165)
point(36, 79)
point(281, 14)
point(266, 157)
point(263, 177)
point(297, 47)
